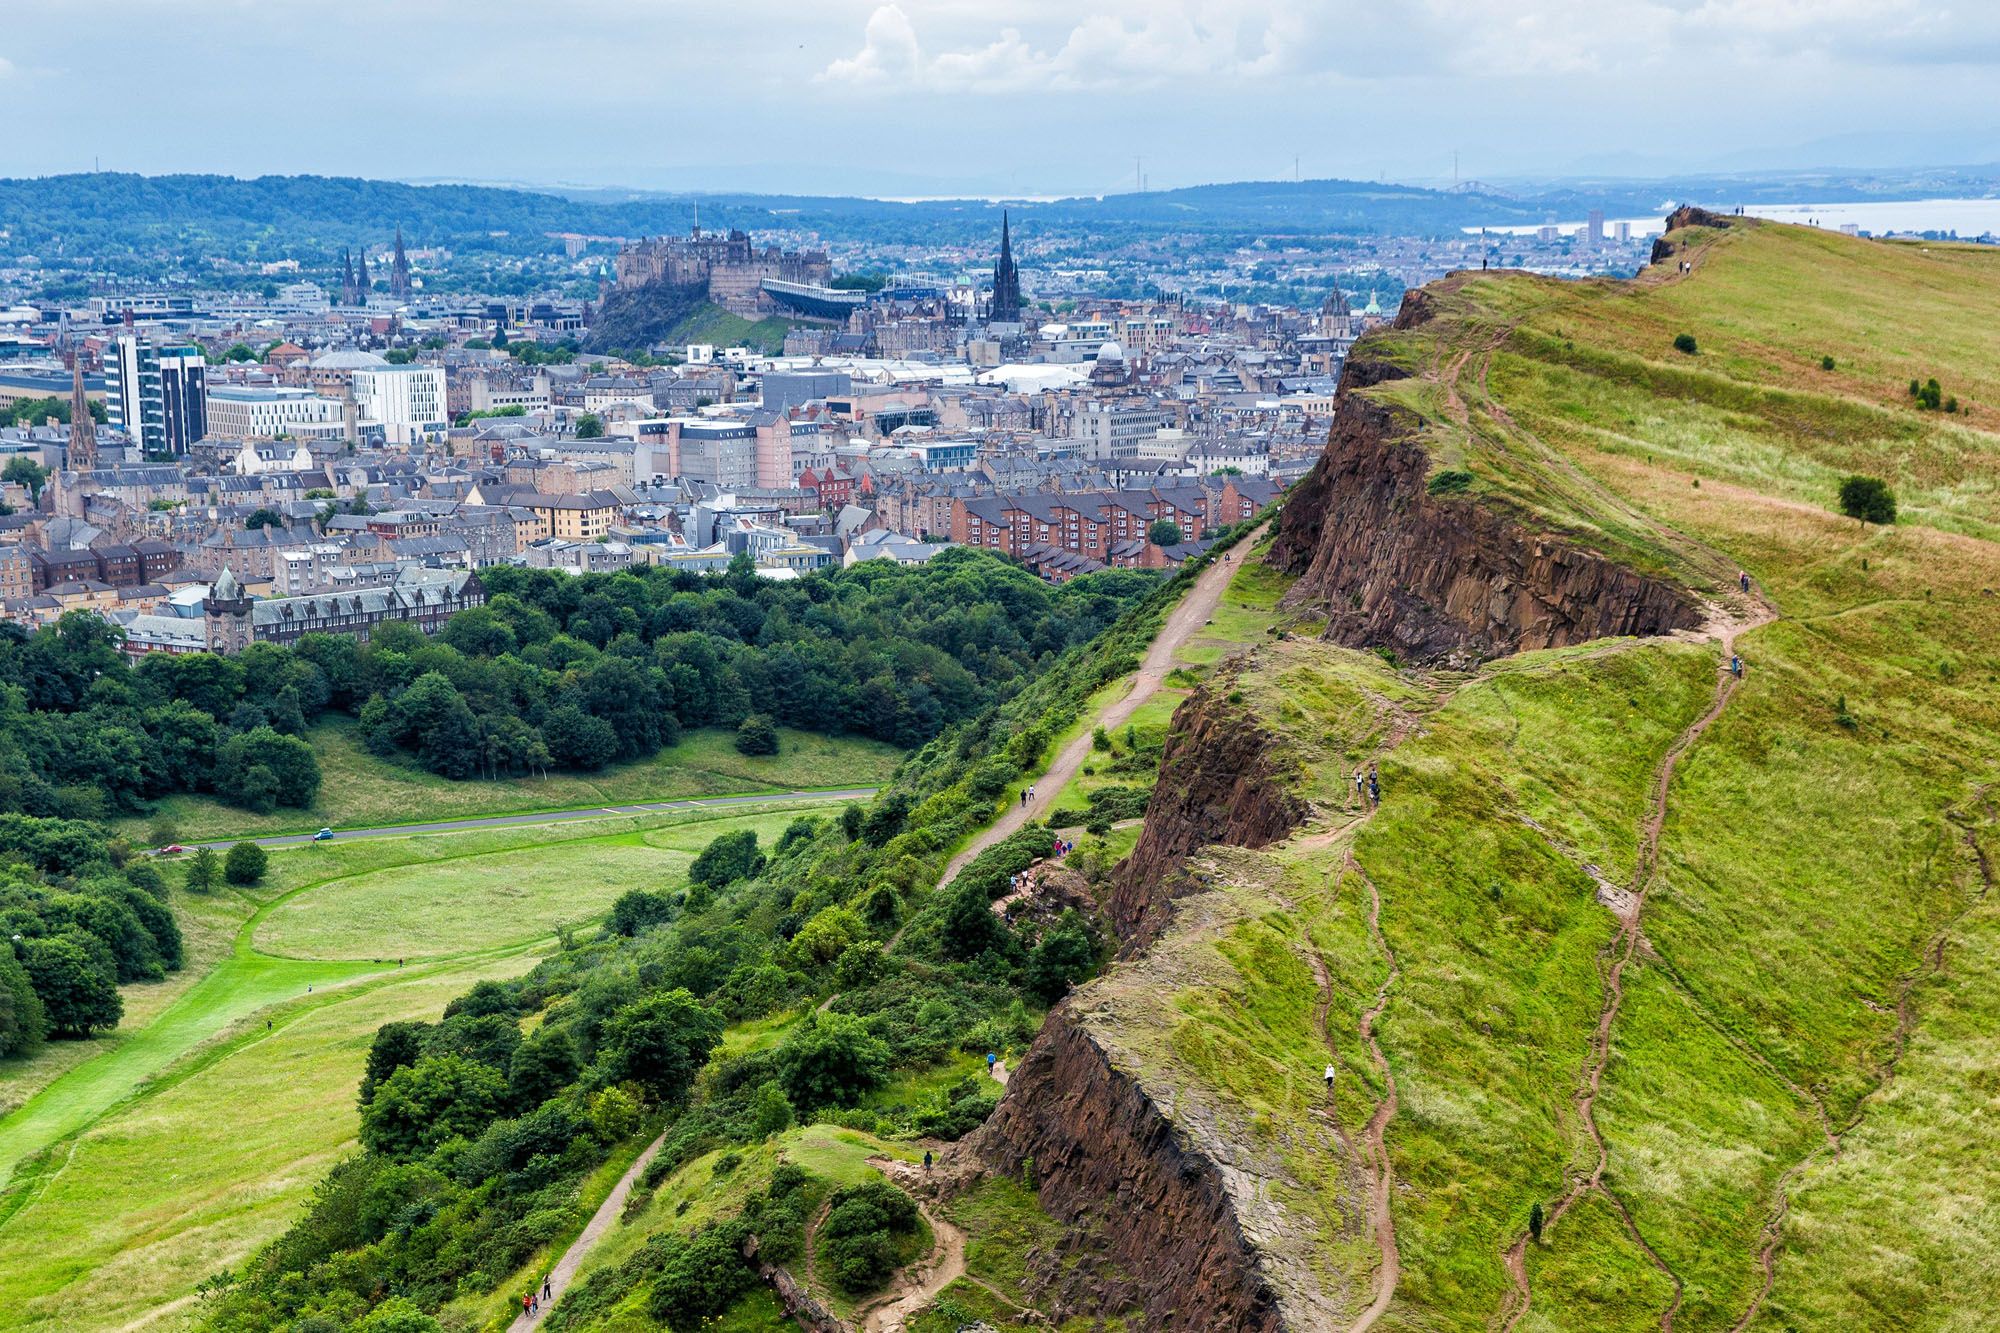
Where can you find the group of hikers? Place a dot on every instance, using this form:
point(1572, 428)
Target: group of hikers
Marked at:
point(532, 1301)
point(1368, 786)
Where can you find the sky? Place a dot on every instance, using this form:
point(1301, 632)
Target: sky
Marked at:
point(927, 97)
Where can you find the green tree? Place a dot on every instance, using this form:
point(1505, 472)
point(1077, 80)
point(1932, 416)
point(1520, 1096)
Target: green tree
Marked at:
point(726, 859)
point(245, 863)
point(264, 518)
point(396, 1046)
point(1685, 344)
point(590, 426)
point(755, 735)
point(290, 767)
point(1868, 499)
point(1065, 955)
point(831, 1061)
point(204, 871)
point(26, 472)
point(661, 1042)
point(23, 1020)
point(1164, 532)
point(436, 1099)
point(79, 994)
point(541, 1067)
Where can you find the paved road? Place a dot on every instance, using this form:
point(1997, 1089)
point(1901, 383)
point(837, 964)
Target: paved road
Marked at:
point(562, 816)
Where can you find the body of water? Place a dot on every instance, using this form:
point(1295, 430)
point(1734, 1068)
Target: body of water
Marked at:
point(1967, 217)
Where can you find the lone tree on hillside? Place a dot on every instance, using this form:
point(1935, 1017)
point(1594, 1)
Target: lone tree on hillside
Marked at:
point(1684, 342)
point(245, 863)
point(756, 735)
point(1164, 532)
point(204, 872)
point(1868, 499)
point(1535, 1221)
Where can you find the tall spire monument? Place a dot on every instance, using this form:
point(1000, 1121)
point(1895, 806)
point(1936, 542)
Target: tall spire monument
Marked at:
point(399, 270)
point(1006, 305)
point(82, 425)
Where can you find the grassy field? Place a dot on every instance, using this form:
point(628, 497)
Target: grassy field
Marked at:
point(361, 790)
point(148, 1159)
point(1807, 1023)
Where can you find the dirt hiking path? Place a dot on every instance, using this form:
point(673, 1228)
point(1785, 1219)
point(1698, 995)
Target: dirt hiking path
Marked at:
point(601, 1221)
point(1183, 622)
point(915, 1287)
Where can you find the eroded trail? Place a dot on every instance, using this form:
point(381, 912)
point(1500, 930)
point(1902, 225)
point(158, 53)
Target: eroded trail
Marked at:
point(1182, 624)
point(912, 1289)
point(1373, 1138)
point(1621, 949)
point(601, 1221)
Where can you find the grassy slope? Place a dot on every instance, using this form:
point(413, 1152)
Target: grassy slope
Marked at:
point(1806, 867)
point(710, 323)
point(204, 1063)
point(363, 791)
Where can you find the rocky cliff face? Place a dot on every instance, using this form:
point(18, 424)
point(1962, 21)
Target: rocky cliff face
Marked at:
point(1437, 578)
point(1152, 1217)
point(1221, 781)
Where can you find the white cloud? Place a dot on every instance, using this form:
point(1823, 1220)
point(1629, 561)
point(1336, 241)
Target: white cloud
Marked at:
point(934, 46)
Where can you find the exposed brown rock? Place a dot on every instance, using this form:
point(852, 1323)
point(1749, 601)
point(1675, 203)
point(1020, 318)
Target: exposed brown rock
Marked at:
point(1441, 579)
point(1153, 1224)
point(1221, 781)
point(1664, 247)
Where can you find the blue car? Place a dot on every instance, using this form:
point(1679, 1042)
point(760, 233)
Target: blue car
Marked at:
point(323, 835)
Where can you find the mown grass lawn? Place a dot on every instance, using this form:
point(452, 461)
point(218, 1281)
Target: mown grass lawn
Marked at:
point(362, 790)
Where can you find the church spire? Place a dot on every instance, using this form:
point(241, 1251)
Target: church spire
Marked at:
point(399, 270)
point(82, 426)
point(1006, 278)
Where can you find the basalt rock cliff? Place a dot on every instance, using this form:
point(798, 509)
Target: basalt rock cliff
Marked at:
point(1221, 781)
point(1437, 577)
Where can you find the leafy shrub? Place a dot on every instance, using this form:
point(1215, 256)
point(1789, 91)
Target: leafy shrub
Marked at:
point(1685, 344)
point(756, 736)
point(1868, 499)
point(245, 863)
point(1451, 481)
point(857, 1242)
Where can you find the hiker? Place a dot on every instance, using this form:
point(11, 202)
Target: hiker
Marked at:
point(1743, 578)
point(991, 1060)
point(927, 1159)
point(1329, 1080)
point(1024, 798)
point(1736, 666)
point(1374, 787)
point(545, 1285)
point(1360, 786)
point(527, 1304)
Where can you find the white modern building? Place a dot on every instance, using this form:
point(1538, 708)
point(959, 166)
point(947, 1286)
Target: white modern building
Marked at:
point(407, 401)
point(157, 395)
point(257, 412)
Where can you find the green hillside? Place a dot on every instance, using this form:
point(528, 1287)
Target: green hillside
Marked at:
point(1700, 971)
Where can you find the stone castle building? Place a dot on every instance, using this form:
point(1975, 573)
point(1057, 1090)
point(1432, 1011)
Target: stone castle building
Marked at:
point(732, 268)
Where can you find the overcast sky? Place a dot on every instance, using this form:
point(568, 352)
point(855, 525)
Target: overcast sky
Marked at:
point(990, 96)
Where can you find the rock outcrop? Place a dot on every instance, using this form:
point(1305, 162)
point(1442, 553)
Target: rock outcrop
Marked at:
point(1437, 578)
point(1222, 780)
point(1665, 247)
point(1152, 1223)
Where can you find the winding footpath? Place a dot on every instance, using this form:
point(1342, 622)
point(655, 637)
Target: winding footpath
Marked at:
point(600, 1222)
point(1183, 623)
point(1621, 949)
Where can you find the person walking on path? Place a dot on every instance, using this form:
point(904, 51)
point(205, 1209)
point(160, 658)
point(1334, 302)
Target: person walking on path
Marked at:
point(1330, 1071)
point(1360, 786)
point(1024, 798)
point(927, 1159)
point(991, 1060)
point(1736, 666)
point(1743, 578)
point(1374, 787)
point(547, 1292)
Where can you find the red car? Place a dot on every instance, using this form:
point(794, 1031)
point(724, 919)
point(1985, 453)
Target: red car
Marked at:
point(171, 849)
